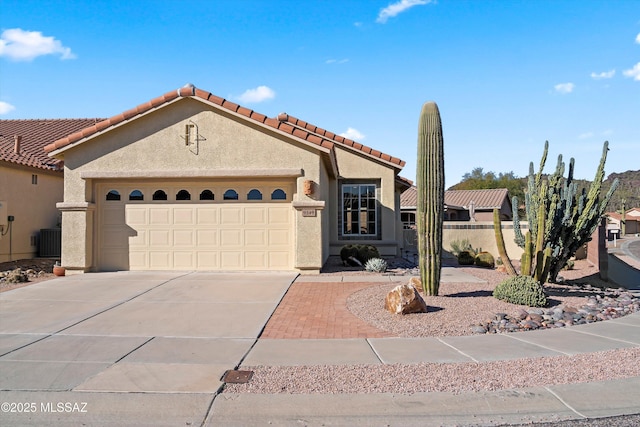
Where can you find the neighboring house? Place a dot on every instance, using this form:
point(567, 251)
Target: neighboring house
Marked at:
point(461, 205)
point(632, 222)
point(191, 181)
point(31, 183)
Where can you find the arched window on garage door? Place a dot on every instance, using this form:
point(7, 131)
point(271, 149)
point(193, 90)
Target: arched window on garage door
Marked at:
point(278, 194)
point(254, 195)
point(230, 195)
point(136, 195)
point(113, 195)
point(159, 195)
point(183, 195)
point(207, 195)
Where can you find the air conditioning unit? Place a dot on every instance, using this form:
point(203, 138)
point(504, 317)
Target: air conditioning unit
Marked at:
point(50, 243)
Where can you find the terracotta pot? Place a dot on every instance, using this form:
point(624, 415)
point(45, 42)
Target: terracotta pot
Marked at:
point(58, 270)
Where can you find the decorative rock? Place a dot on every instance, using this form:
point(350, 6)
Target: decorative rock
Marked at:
point(405, 299)
point(612, 304)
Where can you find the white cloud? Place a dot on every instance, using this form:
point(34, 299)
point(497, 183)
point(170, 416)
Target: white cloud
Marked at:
point(634, 72)
point(603, 75)
point(20, 45)
point(398, 7)
point(5, 107)
point(353, 134)
point(585, 135)
point(336, 61)
point(564, 88)
point(259, 94)
point(638, 38)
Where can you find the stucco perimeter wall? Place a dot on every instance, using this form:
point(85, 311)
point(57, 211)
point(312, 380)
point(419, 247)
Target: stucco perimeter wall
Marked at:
point(353, 166)
point(480, 235)
point(32, 205)
point(222, 145)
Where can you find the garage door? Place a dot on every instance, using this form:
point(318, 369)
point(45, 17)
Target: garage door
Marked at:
point(152, 227)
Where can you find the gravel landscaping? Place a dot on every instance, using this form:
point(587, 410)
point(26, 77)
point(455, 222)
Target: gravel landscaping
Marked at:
point(459, 307)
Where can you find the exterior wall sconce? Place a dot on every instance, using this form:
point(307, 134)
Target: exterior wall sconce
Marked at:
point(308, 187)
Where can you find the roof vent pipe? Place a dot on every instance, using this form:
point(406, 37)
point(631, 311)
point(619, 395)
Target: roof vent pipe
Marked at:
point(17, 139)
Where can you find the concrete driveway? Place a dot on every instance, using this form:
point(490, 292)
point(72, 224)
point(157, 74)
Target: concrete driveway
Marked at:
point(90, 341)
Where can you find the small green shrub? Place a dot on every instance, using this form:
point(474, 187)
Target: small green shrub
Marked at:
point(485, 260)
point(362, 253)
point(466, 258)
point(348, 251)
point(376, 265)
point(459, 246)
point(522, 290)
point(366, 252)
point(570, 264)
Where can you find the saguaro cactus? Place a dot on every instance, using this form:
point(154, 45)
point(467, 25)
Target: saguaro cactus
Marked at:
point(430, 209)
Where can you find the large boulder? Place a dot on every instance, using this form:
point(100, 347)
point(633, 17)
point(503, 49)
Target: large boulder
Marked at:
point(405, 299)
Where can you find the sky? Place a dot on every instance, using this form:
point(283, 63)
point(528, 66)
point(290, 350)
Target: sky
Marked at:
point(507, 75)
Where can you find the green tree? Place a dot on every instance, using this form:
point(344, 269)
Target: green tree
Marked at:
point(478, 179)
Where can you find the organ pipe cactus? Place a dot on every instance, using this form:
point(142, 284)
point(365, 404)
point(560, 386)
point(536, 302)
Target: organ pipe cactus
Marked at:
point(561, 220)
point(430, 209)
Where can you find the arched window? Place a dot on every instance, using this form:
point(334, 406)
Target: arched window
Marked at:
point(136, 195)
point(183, 195)
point(207, 195)
point(230, 195)
point(159, 195)
point(278, 194)
point(254, 195)
point(113, 195)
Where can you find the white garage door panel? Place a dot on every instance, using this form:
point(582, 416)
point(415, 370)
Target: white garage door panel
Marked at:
point(196, 236)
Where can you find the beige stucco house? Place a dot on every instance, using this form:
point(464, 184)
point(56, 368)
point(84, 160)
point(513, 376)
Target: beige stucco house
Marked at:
point(191, 181)
point(31, 183)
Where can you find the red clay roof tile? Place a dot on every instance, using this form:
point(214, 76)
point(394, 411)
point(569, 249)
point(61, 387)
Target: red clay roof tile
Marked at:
point(230, 105)
point(300, 133)
point(36, 133)
point(259, 117)
point(244, 111)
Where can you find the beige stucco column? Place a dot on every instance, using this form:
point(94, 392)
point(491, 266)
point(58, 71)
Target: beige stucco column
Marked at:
point(77, 235)
point(308, 224)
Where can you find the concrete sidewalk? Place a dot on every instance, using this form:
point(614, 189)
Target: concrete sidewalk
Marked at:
point(151, 348)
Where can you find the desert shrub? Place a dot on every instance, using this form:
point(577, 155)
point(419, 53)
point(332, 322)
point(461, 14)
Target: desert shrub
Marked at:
point(362, 253)
point(458, 246)
point(376, 265)
point(522, 290)
point(348, 251)
point(16, 276)
point(466, 258)
point(366, 252)
point(485, 259)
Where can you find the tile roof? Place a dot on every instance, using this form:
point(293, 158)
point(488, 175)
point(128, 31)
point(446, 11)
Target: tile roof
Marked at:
point(35, 134)
point(284, 123)
point(308, 127)
point(483, 199)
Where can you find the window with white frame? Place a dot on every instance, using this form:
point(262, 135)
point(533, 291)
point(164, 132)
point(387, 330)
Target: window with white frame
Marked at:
point(359, 213)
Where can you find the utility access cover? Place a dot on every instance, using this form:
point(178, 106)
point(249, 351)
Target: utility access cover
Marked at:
point(237, 377)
